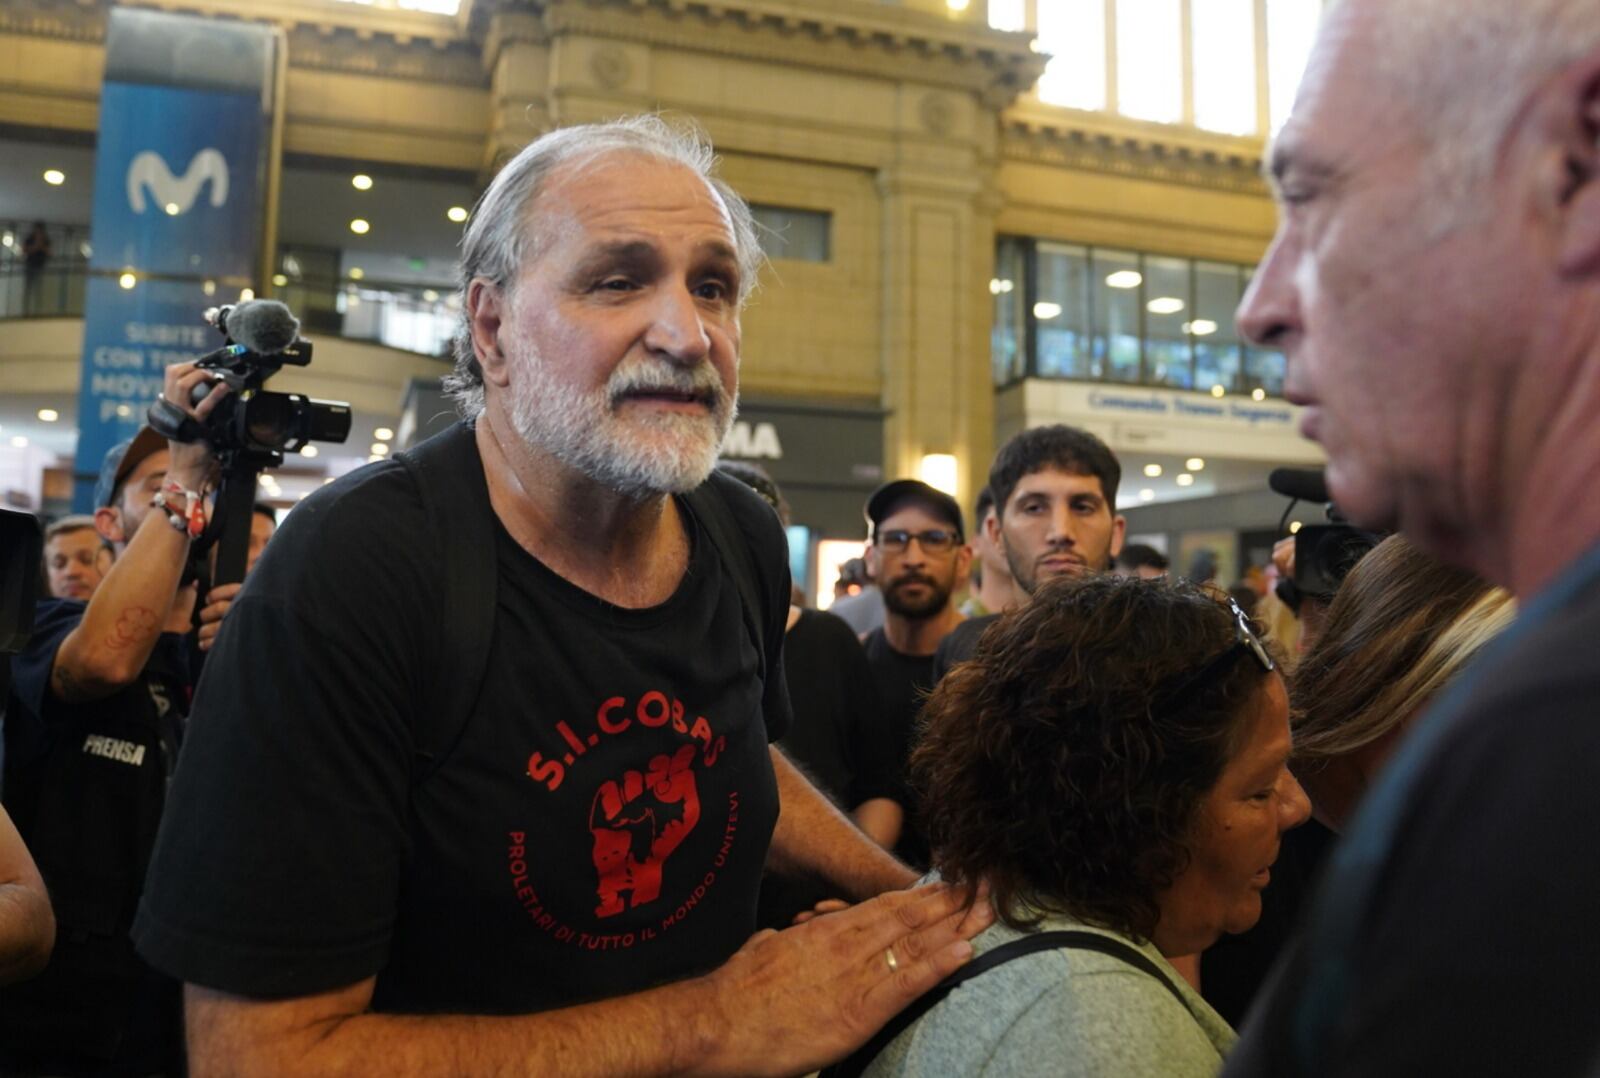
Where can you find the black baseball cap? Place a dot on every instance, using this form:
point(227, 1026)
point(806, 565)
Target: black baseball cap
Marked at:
point(891, 494)
point(123, 458)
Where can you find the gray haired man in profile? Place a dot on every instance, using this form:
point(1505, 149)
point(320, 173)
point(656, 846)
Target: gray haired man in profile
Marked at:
point(1435, 284)
point(571, 888)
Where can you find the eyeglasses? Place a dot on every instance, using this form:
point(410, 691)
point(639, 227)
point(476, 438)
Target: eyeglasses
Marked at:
point(933, 541)
point(1244, 639)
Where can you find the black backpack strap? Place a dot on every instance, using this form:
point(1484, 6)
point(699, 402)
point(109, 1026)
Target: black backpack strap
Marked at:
point(709, 503)
point(449, 476)
point(1073, 938)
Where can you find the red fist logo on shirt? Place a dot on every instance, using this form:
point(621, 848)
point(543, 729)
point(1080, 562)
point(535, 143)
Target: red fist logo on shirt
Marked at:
point(637, 822)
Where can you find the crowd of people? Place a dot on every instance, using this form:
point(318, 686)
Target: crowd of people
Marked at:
point(516, 753)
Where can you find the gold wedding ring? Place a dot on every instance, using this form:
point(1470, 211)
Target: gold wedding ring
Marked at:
point(894, 963)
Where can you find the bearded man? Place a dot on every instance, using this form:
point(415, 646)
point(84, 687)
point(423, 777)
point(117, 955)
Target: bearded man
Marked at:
point(568, 886)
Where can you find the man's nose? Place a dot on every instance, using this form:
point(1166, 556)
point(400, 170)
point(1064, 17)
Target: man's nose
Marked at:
point(677, 329)
point(1269, 313)
point(1061, 532)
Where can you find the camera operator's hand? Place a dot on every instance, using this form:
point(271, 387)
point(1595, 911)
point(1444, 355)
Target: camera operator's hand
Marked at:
point(218, 600)
point(1283, 558)
point(191, 463)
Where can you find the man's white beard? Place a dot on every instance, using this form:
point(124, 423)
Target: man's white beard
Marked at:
point(645, 455)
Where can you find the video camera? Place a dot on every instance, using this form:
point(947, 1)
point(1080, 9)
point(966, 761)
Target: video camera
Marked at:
point(251, 428)
point(1323, 553)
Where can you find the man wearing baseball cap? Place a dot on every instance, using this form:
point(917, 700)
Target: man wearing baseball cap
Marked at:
point(917, 552)
point(97, 708)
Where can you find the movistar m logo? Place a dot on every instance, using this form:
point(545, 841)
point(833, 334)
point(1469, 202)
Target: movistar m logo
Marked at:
point(175, 194)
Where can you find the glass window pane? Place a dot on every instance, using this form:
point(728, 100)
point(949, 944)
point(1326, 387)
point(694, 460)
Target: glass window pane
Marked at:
point(1008, 15)
point(1150, 60)
point(1224, 65)
point(1217, 291)
point(795, 234)
point(1291, 28)
point(1007, 353)
point(1166, 312)
point(1061, 309)
point(1073, 32)
point(1116, 281)
point(1264, 369)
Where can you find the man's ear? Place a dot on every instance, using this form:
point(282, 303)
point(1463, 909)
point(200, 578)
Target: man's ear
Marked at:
point(991, 528)
point(486, 309)
point(1119, 533)
point(873, 561)
point(108, 522)
point(1577, 125)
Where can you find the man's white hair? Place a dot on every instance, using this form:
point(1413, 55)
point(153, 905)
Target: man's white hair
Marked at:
point(1466, 68)
point(501, 237)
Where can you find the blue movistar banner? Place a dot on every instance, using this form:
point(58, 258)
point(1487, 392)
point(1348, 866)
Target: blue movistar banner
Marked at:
point(177, 219)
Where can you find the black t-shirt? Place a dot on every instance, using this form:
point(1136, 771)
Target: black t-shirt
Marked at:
point(904, 682)
point(1454, 932)
point(599, 827)
point(85, 784)
point(960, 644)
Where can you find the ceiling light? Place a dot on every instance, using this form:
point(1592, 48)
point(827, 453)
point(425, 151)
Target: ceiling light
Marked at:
point(956, 5)
point(9, 239)
point(374, 459)
point(939, 471)
point(361, 181)
point(1147, 495)
point(430, 295)
point(49, 415)
point(308, 451)
point(279, 280)
point(127, 280)
point(1217, 391)
point(1195, 464)
point(360, 227)
point(246, 295)
point(356, 273)
point(209, 288)
point(383, 434)
point(172, 209)
point(1044, 310)
point(1200, 327)
point(1258, 394)
point(1125, 279)
point(456, 214)
point(1294, 527)
point(380, 449)
point(54, 177)
point(20, 442)
point(1184, 479)
point(999, 286)
point(1153, 470)
point(1164, 305)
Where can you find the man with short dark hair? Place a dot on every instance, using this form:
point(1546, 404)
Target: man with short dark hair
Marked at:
point(1435, 287)
point(558, 876)
point(1143, 561)
point(996, 591)
point(1055, 497)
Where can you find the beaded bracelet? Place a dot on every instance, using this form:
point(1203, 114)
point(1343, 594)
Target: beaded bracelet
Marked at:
point(186, 509)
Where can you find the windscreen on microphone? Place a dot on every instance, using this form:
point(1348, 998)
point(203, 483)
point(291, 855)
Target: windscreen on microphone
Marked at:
point(1306, 484)
point(263, 325)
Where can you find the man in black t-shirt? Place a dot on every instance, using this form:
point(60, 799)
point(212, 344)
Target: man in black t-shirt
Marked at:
point(1055, 501)
point(566, 883)
point(917, 554)
point(98, 700)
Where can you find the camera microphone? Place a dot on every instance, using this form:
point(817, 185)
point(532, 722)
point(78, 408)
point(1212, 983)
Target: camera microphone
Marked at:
point(263, 326)
point(1306, 484)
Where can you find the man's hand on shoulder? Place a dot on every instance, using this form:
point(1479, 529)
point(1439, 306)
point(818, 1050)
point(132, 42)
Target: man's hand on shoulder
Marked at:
point(793, 1001)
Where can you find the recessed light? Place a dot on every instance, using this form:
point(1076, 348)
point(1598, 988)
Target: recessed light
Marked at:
point(127, 281)
point(430, 295)
point(49, 415)
point(1045, 310)
point(209, 288)
point(172, 209)
point(308, 451)
point(1184, 479)
point(1164, 305)
point(957, 5)
point(279, 280)
point(356, 273)
point(379, 449)
point(1200, 327)
point(246, 295)
point(361, 181)
point(1217, 391)
point(999, 286)
point(1147, 495)
point(1195, 464)
point(383, 434)
point(54, 177)
point(1258, 394)
point(360, 227)
point(1153, 470)
point(456, 214)
point(1125, 279)
point(374, 459)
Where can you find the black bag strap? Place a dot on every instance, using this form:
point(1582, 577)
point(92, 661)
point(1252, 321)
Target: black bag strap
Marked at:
point(449, 476)
point(709, 503)
point(1072, 938)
